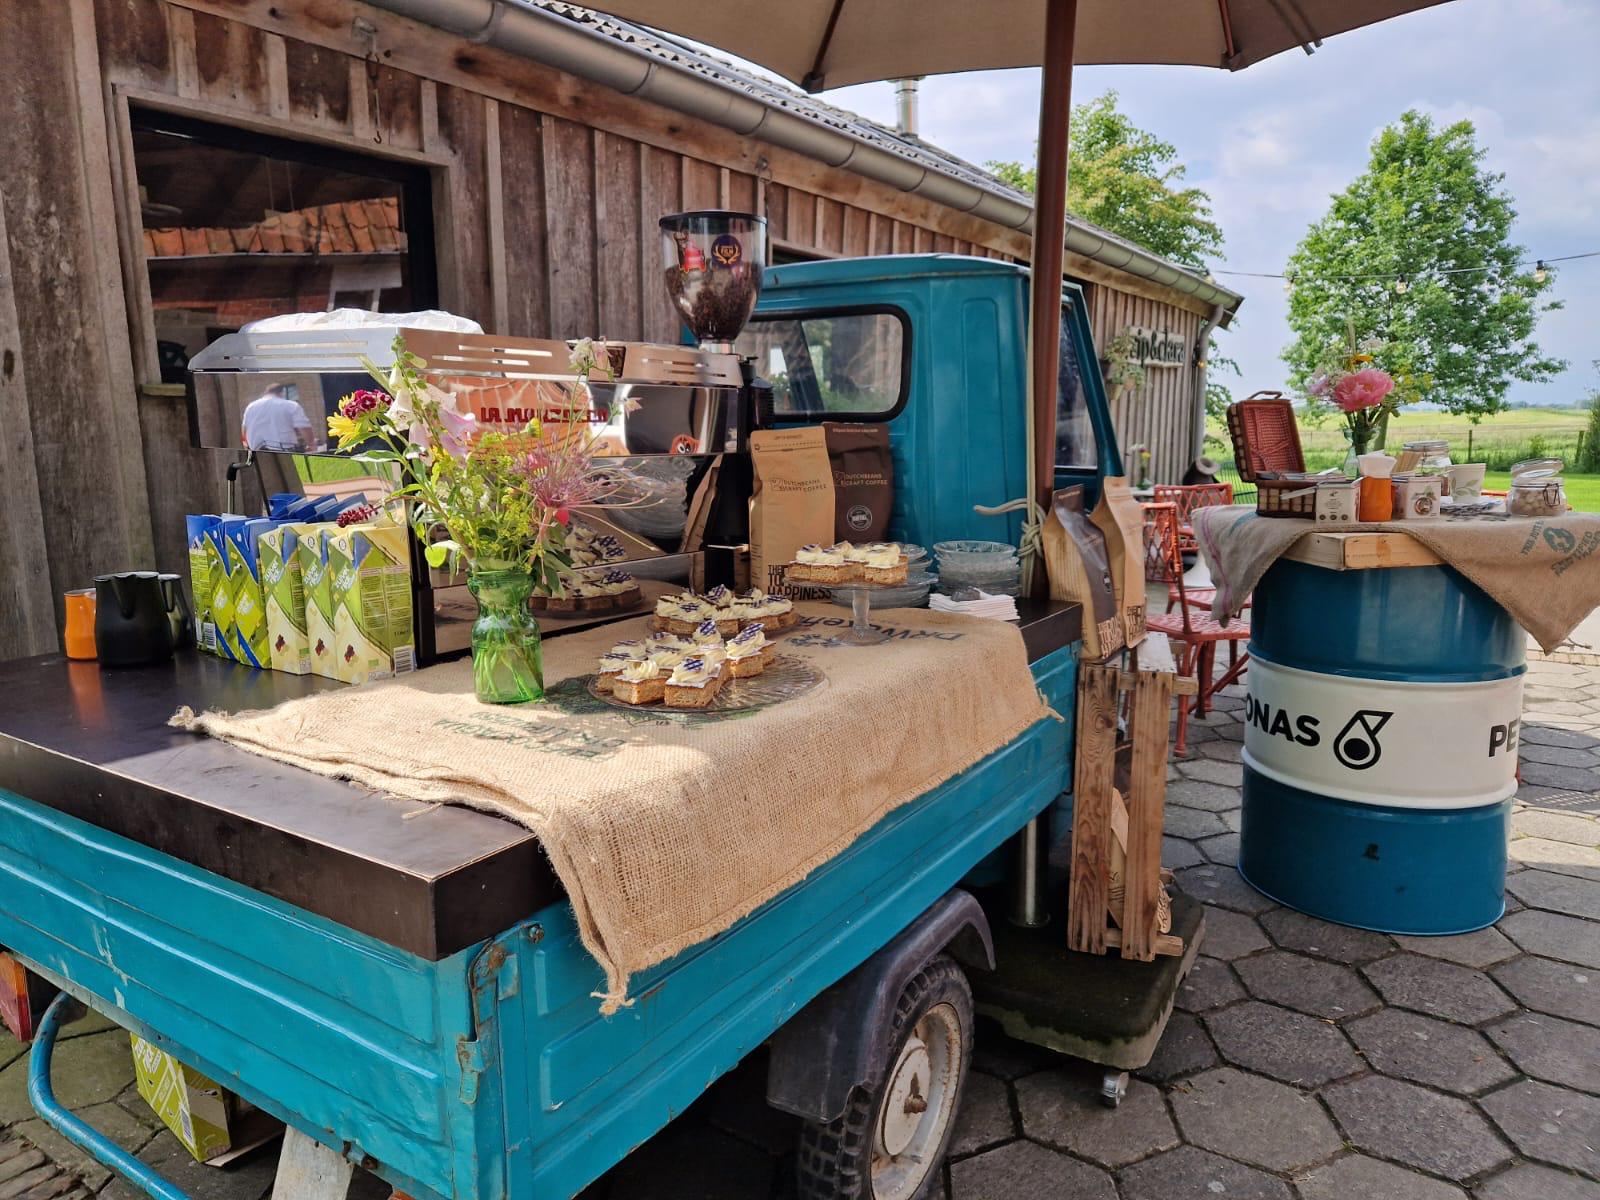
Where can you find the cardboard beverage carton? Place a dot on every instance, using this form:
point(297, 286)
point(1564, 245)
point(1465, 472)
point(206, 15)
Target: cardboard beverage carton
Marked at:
point(216, 550)
point(370, 566)
point(202, 580)
point(317, 584)
point(247, 638)
point(283, 584)
point(213, 1124)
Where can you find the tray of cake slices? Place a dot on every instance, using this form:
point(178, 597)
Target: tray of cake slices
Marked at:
point(708, 654)
point(843, 564)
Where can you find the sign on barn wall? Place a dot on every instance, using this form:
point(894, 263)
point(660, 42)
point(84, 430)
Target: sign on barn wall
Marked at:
point(1158, 347)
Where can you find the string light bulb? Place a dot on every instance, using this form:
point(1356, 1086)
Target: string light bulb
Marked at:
point(1541, 272)
point(1401, 286)
point(1288, 283)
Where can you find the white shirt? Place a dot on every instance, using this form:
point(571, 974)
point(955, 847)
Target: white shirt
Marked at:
point(271, 421)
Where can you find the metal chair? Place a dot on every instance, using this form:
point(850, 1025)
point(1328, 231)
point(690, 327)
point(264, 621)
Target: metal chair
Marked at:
point(1194, 634)
point(1194, 496)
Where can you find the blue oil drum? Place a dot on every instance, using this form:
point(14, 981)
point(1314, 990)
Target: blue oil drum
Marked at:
point(1380, 747)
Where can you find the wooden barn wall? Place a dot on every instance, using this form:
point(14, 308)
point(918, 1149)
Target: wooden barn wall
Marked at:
point(1161, 413)
point(546, 192)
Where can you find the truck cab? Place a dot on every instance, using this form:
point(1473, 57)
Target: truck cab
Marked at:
point(936, 345)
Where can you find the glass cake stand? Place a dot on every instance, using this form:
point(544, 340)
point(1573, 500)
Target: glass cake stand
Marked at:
point(861, 632)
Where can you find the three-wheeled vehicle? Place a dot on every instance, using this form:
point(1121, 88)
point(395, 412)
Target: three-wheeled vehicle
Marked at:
point(421, 1005)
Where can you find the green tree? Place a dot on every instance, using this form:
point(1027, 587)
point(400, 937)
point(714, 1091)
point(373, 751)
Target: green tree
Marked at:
point(1127, 180)
point(1418, 251)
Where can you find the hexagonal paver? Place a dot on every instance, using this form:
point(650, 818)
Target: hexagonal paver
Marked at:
point(1025, 1171)
point(1188, 1171)
point(87, 1070)
point(1556, 756)
point(1481, 948)
point(1254, 1119)
point(1063, 1109)
point(985, 1117)
point(1357, 1175)
point(1529, 1181)
point(1552, 1049)
point(1177, 853)
point(1558, 827)
point(1562, 857)
point(1424, 1050)
point(1306, 984)
point(1409, 1124)
point(1231, 935)
point(1434, 986)
point(1220, 848)
point(1290, 1046)
point(1545, 985)
point(1552, 935)
point(1192, 822)
point(1208, 797)
point(1323, 939)
point(1549, 1123)
point(1557, 893)
point(1184, 1049)
point(1210, 771)
point(1223, 887)
point(1545, 735)
point(1579, 779)
point(1210, 982)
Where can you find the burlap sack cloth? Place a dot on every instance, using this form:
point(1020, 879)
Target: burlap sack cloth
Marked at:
point(666, 831)
point(1544, 572)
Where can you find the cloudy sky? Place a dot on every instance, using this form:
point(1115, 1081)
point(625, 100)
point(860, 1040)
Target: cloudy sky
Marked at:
point(1271, 143)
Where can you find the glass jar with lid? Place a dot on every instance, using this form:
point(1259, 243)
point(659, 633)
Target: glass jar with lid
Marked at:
point(1536, 489)
point(1434, 459)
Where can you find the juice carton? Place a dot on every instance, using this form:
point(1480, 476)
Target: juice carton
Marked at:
point(202, 578)
point(317, 584)
point(283, 584)
point(216, 551)
point(248, 637)
point(370, 565)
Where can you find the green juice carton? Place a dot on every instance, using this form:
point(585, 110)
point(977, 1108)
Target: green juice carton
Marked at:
point(317, 585)
point(283, 585)
point(216, 553)
point(202, 581)
point(214, 1125)
point(370, 566)
point(247, 639)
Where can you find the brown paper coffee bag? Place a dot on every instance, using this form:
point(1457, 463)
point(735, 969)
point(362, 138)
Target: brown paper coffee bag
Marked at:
point(791, 502)
point(863, 480)
point(1120, 518)
point(1075, 559)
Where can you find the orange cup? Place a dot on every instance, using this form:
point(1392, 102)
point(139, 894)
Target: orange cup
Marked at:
point(79, 634)
point(1376, 502)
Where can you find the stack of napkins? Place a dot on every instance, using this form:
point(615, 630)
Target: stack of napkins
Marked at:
point(998, 608)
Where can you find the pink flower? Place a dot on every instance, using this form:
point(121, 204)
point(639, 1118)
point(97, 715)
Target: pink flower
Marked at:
point(358, 403)
point(1320, 384)
point(1362, 389)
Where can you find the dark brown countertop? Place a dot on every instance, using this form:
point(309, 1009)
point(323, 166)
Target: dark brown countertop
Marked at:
point(94, 743)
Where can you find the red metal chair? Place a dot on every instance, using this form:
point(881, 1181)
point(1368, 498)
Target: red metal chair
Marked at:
point(1185, 499)
point(1194, 634)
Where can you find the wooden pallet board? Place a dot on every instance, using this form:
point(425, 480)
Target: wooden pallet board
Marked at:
point(1361, 551)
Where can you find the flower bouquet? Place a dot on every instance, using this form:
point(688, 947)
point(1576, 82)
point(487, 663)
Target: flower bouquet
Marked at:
point(1365, 394)
point(499, 502)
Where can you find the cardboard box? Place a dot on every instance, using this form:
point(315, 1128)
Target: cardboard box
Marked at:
point(370, 569)
point(283, 584)
point(317, 584)
point(213, 1124)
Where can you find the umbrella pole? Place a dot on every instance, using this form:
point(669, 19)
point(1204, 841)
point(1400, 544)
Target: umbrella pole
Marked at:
point(1049, 236)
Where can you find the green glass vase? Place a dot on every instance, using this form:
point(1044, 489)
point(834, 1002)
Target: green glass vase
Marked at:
point(507, 661)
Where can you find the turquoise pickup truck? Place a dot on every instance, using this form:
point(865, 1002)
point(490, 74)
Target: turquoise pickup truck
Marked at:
point(425, 1010)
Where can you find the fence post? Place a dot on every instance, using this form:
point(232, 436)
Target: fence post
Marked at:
point(1577, 455)
point(1469, 443)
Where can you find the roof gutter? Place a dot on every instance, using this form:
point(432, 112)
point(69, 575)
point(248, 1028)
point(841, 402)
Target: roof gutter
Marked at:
point(556, 42)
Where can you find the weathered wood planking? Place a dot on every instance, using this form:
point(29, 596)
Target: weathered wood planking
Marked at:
point(1362, 551)
point(1150, 713)
point(464, 254)
point(618, 233)
point(660, 182)
point(1089, 885)
point(1161, 413)
point(523, 210)
point(569, 220)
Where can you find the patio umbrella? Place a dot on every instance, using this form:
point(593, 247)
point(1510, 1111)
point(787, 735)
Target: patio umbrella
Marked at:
point(831, 43)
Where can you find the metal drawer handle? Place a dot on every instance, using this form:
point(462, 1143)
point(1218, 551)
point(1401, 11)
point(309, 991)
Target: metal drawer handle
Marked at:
point(68, 1125)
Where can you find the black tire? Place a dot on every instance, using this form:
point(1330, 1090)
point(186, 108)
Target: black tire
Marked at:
point(835, 1157)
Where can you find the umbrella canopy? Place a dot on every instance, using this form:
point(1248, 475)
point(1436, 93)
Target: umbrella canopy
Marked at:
point(831, 43)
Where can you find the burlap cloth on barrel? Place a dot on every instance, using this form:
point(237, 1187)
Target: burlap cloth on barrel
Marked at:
point(1545, 573)
point(664, 831)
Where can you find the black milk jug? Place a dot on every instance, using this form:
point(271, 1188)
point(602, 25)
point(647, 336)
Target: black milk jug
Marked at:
point(178, 611)
point(132, 624)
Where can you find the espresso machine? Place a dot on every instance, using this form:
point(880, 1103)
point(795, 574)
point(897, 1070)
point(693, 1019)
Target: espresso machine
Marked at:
point(679, 416)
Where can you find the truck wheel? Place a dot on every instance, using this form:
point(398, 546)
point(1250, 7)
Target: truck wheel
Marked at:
point(891, 1140)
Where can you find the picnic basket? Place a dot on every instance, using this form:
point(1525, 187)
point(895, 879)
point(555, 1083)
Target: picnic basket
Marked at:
point(1266, 447)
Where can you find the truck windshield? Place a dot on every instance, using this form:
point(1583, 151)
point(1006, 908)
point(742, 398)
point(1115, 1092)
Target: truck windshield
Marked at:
point(1075, 441)
point(849, 364)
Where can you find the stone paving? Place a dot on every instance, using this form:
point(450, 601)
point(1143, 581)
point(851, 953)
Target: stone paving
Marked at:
point(1305, 1061)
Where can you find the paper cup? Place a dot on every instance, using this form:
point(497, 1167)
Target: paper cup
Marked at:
point(1466, 482)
